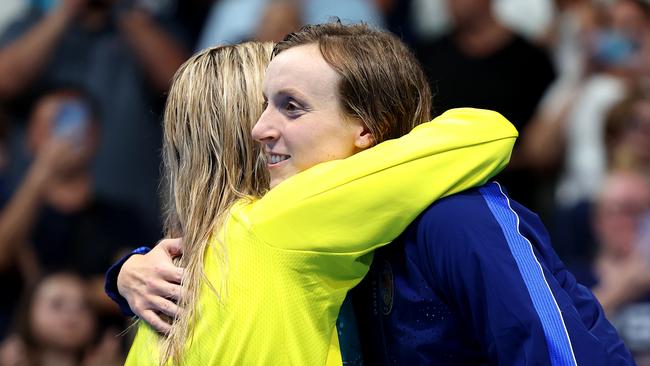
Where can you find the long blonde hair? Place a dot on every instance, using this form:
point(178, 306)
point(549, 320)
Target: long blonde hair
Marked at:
point(210, 161)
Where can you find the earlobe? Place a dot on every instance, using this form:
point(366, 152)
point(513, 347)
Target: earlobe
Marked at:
point(365, 139)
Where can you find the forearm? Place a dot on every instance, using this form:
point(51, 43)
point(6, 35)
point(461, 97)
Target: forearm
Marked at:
point(158, 52)
point(111, 286)
point(383, 188)
point(543, 144)
point(23, 60)
point(19, 215)
point(543, 140)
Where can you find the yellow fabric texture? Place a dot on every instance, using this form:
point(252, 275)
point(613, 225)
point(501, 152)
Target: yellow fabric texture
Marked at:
point(293, 255)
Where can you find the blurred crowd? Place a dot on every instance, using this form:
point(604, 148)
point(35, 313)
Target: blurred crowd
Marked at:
point(83, 84)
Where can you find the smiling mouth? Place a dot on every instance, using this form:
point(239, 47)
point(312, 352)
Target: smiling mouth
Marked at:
point(277, 158)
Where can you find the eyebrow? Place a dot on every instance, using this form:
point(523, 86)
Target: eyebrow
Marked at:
point(292, 92)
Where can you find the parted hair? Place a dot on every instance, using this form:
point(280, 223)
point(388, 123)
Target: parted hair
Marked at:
point(382, 83)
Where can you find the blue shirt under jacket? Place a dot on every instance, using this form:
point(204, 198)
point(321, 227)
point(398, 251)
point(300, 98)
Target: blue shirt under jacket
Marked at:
point(475, 281)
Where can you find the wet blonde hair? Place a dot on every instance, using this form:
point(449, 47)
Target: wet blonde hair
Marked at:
point(210, 161)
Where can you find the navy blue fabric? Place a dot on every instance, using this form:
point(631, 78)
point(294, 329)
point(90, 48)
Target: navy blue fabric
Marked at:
point(110, 281)
point(551, 319)
point(450, 291)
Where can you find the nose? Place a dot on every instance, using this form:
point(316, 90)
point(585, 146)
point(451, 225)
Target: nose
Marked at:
point(265, 129)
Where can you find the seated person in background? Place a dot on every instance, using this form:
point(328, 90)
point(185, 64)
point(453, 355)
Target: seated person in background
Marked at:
point(621, 271)
point(54, 220)
point(57, 326)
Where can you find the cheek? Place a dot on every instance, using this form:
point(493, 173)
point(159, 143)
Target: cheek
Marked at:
point(86, 326)
point(43, 324)
point(325, 147)
point(42, 315)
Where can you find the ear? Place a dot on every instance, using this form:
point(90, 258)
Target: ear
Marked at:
point(363, 138)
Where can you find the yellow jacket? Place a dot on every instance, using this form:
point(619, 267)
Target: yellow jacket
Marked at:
point(293, 255)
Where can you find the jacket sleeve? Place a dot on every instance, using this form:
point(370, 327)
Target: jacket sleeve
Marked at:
point(110, 280)
point(356, 204)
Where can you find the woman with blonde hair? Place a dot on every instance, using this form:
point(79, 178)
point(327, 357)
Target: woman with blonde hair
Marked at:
point(265, 277)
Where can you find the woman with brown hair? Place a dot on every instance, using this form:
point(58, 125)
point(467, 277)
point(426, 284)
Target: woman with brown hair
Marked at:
point(265, 278)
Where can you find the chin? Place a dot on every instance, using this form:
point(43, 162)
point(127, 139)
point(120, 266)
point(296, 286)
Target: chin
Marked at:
point(274, 182)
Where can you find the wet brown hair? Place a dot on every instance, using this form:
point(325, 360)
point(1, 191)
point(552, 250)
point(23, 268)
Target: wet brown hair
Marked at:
point(382, 84)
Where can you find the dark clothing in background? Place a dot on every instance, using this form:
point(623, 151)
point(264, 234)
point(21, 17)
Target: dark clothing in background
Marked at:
point(87, 241)
point(126, 167)
point(12, 286)
point(573, 235)
point(511, 81)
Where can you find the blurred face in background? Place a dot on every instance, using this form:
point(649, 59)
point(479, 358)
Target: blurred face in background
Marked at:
point(60, 316)
point(465, 12)
point(280, 18)
point(623, 201)
point(628, 18)
point(621, 41)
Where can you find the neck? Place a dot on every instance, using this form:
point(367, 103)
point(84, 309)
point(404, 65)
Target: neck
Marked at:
point(481, 37)
point(94, 19)
point(55, 357)
point(70, 194)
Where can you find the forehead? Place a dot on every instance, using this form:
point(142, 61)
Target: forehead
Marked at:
point(625, 189)
point(57, 285)
point(302, 69)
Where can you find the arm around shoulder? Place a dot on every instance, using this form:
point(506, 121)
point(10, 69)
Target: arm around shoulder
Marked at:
point(367, 200)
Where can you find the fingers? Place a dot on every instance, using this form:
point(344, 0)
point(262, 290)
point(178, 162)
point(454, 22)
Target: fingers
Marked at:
point(169, 273)
point(155, 321)
point(165, 290)
point(165, 306)
point(173, 247)
point(171, 291)
point(160, 297)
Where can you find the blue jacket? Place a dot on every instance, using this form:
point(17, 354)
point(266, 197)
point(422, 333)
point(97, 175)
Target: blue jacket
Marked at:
point(475, 281)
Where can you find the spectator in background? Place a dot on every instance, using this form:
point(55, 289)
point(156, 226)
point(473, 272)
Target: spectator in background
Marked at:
point(58, 327)
point(232, 21)
point(279, 18)
point(574, 137)
point(581, 123)
point(634, 147)
point(481, 63)
point(567, 38)
point(621, 271)
point(124, 52)
point(56, 220)
point(191, 15)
